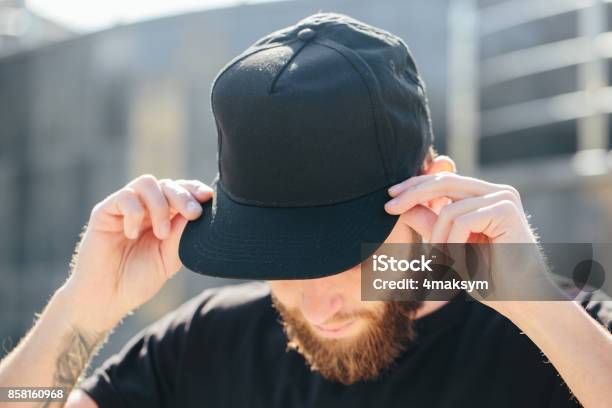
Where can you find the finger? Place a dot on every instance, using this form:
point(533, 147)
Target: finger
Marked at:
point(449, 213)
point(180, 199)
point(170, 246)
point(199, 190)
point(410, 182)
point(128, 205)
point(421, 219)
point(443, 185)
point(437, 204)
point(486, 220)
point(149, 191)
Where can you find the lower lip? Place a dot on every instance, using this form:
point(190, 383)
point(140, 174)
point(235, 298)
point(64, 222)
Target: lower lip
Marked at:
point(339, 331)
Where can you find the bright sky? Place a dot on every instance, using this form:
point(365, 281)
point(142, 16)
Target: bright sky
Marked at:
point(83, 15)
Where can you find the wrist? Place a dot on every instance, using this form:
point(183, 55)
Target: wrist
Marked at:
point(77, 312)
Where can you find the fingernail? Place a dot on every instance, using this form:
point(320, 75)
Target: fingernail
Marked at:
point(164, 228)
point(193, 207)
point(392, 202)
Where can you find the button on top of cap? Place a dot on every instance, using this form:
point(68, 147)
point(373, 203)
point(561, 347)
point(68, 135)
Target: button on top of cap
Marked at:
point(306, 34)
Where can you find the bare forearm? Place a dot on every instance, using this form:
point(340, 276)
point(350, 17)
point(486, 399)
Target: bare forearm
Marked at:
point(54, 353)
point(578, 346)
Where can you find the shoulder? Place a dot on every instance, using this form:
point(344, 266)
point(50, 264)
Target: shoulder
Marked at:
point(214, 311)
point(223, 313)
point(243, 301)
point(153, 362)
point(228, 298)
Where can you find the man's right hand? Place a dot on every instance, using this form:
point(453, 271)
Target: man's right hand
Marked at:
point(130, 248)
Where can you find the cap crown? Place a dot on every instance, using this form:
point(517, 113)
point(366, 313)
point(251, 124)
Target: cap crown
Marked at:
point(319, 113)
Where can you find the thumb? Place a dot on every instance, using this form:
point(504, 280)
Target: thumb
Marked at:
point(170, 246)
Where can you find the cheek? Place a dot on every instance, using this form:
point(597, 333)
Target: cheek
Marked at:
point(351, 284)
point(287, 292)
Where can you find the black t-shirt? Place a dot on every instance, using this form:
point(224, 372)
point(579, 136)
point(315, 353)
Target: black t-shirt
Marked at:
point(226, 348)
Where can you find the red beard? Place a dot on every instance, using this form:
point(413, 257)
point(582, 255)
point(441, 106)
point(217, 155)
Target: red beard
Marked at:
point(366, 357)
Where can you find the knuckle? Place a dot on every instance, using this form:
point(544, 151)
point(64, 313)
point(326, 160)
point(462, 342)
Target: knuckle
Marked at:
point(512, 190)
point(167, 186)
point(446, 175)
point(125, 193)
point(506, 195)
point(147, 180)
point(131, 203)
point(508, 206)
point(182, 194)
point(173, 189)
point(95, 211)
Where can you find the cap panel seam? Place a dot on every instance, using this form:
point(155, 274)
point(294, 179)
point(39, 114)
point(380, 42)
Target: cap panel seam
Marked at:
point(343, 51)
point(282, 70)
point(240, 58)
point(227, 66)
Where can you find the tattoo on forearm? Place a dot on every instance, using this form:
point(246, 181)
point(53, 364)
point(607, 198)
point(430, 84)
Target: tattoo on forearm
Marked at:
point(73, 359)
point(77, 350)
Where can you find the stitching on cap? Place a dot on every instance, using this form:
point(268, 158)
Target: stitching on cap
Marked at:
point(280, 72)
point(276, 204)
point(365, 82)
point(227, 66)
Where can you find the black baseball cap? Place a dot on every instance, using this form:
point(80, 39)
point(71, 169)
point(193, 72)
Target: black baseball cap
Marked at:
point(315, 122)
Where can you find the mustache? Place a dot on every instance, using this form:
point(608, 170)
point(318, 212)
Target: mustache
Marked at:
point(338, 317)
point(342, 317)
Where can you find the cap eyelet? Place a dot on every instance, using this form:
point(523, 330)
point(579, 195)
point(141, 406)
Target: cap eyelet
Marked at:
point(306, 34)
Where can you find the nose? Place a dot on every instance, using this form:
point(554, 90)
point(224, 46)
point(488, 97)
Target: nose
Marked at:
point(320, 300)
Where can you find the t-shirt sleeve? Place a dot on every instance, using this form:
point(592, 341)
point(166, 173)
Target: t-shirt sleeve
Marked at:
point(600, 310)
point(143, 373)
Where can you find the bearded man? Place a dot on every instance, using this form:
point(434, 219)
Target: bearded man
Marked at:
point(325, 144)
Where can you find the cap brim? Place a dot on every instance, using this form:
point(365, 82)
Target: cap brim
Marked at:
point(233, 240)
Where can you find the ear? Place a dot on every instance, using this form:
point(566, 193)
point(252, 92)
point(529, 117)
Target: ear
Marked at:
point(438, 164)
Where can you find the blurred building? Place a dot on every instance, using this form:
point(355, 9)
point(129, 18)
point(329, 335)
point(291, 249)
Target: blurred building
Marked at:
point(530, 104)
point(519, 93)
point(21, 29)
